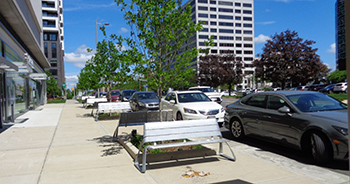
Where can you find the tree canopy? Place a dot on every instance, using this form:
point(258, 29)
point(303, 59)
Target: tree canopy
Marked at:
point(216, 70)
point(337, 76)
point(52, 88)
point(288, 58)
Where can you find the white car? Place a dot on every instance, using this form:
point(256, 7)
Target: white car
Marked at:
point(341, 87)
point(214, 96)
point(191, 105)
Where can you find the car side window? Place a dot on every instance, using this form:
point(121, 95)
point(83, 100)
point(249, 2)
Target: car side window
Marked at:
point(275, 102)
point(256, 101)
point(168, 97)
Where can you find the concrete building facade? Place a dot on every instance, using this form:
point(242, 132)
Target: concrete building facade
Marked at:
point(340, 35)
point(231, 22)
point(22, 60)
point(52, 14)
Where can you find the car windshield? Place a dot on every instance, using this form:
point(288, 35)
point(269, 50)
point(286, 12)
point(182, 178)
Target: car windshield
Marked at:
point(128, 93)
point(192, 97)
point(315, 102)
point(115, 93)
point(147, 96)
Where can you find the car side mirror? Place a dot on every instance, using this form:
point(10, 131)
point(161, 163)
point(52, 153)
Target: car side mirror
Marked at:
point(284, 110)
point(172, 102)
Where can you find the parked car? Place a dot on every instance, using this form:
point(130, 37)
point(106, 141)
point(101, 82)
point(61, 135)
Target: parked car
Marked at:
point(102, 95)
point(341, 87)
point(126, 94)
point(144, 100)
point(302, 88)
point(316, 87)
point(328, 89)
point(113, 96)
point(306, 120)
point(214, 96)
point(190, 105)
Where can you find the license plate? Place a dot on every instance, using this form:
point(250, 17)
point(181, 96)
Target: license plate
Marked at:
point(210, 117)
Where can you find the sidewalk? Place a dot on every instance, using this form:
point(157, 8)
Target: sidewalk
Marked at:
point(61, 143)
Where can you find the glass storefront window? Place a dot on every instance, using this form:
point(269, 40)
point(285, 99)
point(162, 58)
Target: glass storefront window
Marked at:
point(11, 55)
point(16, 88)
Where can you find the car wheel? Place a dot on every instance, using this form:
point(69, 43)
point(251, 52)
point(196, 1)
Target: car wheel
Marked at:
point(179, 116)
point(236, 129)
point(319, 148)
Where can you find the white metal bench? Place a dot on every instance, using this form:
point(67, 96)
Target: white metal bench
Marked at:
point(110, 107)
point(91, 101)
point(141, 117)
point(203, 131)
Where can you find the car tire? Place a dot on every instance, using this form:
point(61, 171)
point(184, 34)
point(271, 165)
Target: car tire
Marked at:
point(179, 116)
point(320, 150)
point(236, 129)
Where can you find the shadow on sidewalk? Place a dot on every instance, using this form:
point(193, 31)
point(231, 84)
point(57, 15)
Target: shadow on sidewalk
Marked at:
point(111, 147)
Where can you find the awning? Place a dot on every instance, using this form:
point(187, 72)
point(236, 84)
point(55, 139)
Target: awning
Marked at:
point(38, 76)
point(7, 65)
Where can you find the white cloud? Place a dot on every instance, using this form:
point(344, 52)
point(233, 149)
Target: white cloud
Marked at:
point(261, 39)
point(79, 57)
point(331, 49)
point(123, 30)
point(71, 81)
point(266, 23)
point(82, 6)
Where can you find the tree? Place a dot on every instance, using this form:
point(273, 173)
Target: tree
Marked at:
point(160, 29)
point(52, 88)
point(337, 76)
point(215, 70)
point(287, 58)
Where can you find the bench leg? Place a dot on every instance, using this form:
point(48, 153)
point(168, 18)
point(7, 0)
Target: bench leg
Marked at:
point(144, 156)
point(222, 154)
point(115, 134)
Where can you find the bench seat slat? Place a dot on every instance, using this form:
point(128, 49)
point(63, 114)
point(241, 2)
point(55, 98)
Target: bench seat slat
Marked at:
point(184, 135)
point(188, 143)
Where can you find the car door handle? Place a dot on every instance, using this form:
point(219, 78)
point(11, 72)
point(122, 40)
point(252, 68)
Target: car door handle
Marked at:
point(267, 116)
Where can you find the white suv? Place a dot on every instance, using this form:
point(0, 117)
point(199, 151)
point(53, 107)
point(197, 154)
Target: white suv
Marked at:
point(214, 96)
point(341, 87)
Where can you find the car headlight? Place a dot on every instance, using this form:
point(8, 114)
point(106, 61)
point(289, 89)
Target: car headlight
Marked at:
point(341, 130)
point(142, 104)
point(190, 111)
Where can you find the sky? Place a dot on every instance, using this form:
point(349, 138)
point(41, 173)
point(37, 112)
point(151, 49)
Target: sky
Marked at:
point(312, 19)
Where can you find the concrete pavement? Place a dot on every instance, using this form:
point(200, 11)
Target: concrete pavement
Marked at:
point(61, 143)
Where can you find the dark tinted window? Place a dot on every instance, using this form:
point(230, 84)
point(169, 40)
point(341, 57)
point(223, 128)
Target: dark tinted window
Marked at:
point(256, 101)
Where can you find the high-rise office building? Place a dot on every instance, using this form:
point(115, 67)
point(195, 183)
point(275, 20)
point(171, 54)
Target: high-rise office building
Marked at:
point(340, 35)
point(22, 60)
point(52, 13)
point(231, 22)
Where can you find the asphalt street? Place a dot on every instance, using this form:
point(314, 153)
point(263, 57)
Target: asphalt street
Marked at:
point(293, 159)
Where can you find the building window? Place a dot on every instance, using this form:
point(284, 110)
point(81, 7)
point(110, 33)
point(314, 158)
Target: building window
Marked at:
point(225, 30)
point(238, 32)
point(212, 23)
point(238, 4)
point(247, 5)
point(203, 36)
point(202, 15)
point(226, 37)
point(54, 50)
point(247, 12)
point(202, 8)
point(203, 1)
point(213, 51)
point(212, 9)
point(226, 24)
point(204, 22)
point(248, 52)
point(201, 44)
point(247, 18)
point(213, 30)
point(237, 11)
point(238, 45)
point(226, 10)
point(46, 49)
point(225, 17)
point(49, 14)
point(49, 23)
point(225, 3)
point(248, 39)
point(238, 38)
point(238, 25)
point(247, 32)
point(227, 45)
point(238, 18)
point(248, 59)
point(53, 63)
point(239, 52)
point(213, 16)
point(53, 71)
point(204, 30)
point(48, 4)
point(247, 25)
point(227, 52)
point(248, 45)
point(212, 2)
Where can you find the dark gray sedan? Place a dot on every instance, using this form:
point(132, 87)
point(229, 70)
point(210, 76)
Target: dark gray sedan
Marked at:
point(306, 120)
point(144, 100)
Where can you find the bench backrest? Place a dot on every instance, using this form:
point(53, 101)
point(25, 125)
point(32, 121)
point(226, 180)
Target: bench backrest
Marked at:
point(93, 100)
point(113, 106)
point(144, 116)
point(173, 130)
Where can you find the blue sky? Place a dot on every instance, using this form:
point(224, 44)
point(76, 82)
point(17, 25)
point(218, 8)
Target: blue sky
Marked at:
point(312, 19)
